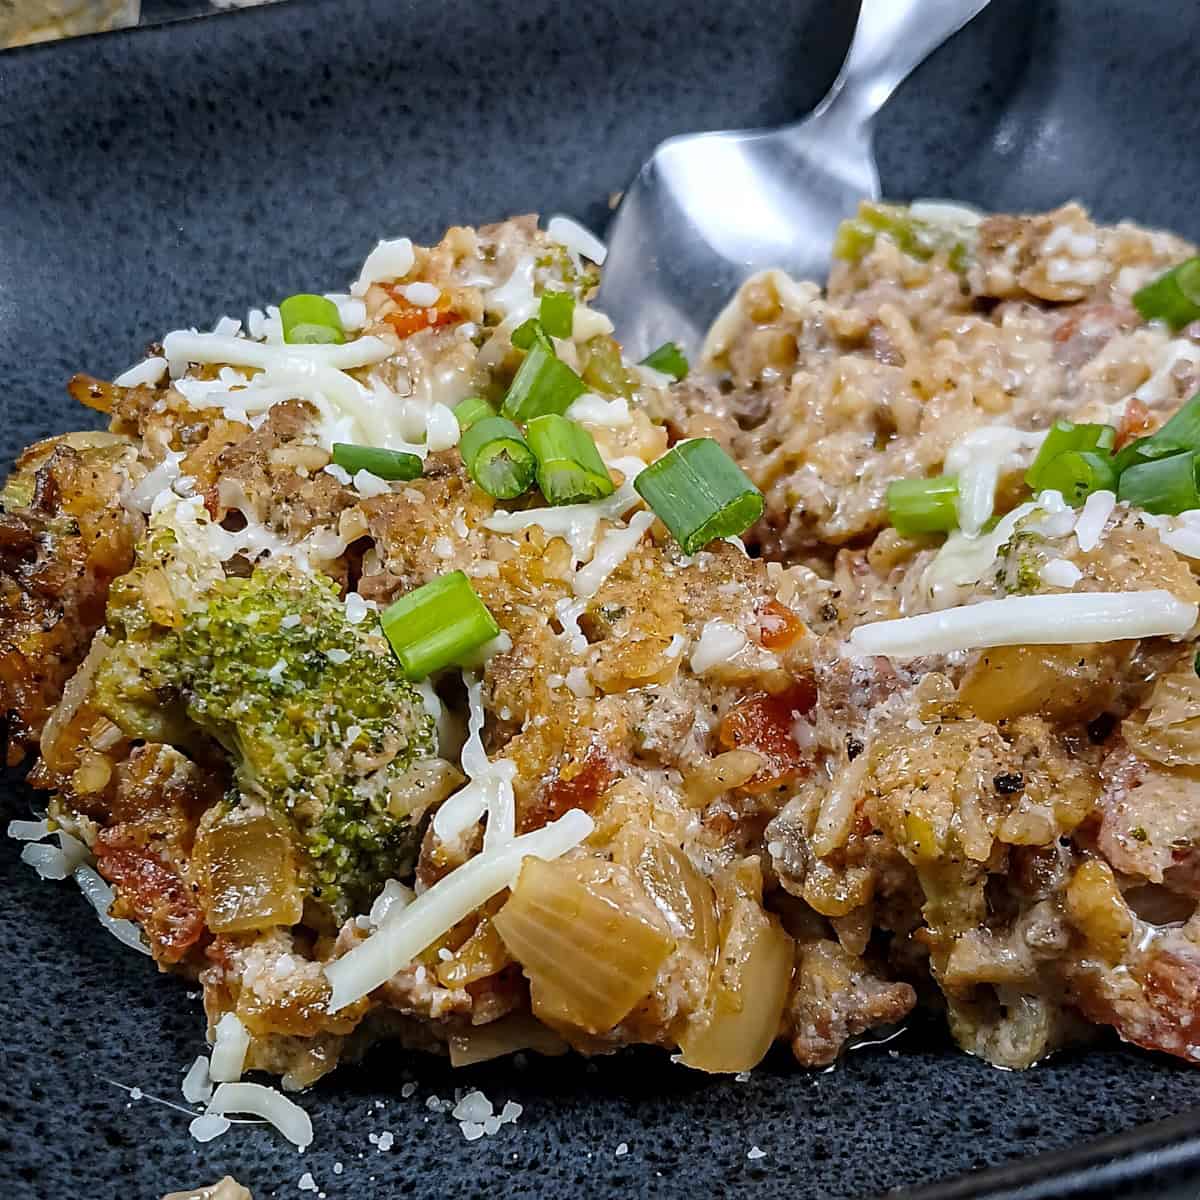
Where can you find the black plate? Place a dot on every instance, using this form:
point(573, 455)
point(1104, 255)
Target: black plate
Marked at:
point(162, 177)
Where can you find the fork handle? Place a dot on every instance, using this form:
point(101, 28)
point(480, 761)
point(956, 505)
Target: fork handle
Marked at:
point(891, 38)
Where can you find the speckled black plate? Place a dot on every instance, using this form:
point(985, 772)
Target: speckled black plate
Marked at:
point(165, 176)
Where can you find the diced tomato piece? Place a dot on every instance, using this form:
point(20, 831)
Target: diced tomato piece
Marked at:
point(408, 318)
point(778, 626)
point(573, 785)
point(1136, 422)
point(150, 892)
point(763, 723)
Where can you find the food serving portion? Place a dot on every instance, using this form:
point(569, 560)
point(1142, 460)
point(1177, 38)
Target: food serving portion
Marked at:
point(409, 663)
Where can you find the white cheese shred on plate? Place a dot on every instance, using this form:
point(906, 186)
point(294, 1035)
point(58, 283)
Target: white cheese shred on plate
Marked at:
point(374, 961)
point(229, 1049)
point(256, 1100)
point(100, 897)
point(1033, 620)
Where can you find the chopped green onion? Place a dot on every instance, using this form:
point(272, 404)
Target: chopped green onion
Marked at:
point(542, 385)
point(387, 464)
point(569, 467)
point(310, 320)
point(1173, 297)
point(470, 410)
point(437, 625)
point(498, 458)
point(557, 313)
point(668, 359)
point(1165, 485)
point(923, 505)
point(1077, 474)
point(529, 332)
point(699, 493)
point(1065, 436)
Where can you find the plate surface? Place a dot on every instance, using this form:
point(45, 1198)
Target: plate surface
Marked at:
point(163, 177)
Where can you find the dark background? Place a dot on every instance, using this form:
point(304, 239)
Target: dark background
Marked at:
point(165, 176)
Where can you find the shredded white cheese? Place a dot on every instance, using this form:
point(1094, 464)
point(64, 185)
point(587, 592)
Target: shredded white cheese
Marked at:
point(197, 1083)
point(100, 896)
point(258, 1101)
point(1089, 527)
point(1061, 572)
point(149, 371)
point(373, 961)
point(1060, 619)
point(389, 260)
point(576, 523)
point(574, 236)
point(595, 410)
point(229, 1049)
point(209, 1126)
point(612, 551)
point(978, 459)
point(719, 642)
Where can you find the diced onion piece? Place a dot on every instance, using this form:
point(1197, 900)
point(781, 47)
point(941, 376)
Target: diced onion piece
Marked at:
point(246, 867)
point(256, 1100)
point(437, 624)
point(100, 896)
point(747, 991)
point(229, 1050)
point(589, 951)
point(683, 896)
point(511, 1034)
point(436, 911)
point(1059, 619)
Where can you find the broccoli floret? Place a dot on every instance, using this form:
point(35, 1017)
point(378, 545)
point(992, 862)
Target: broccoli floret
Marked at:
point(1020, 563)
point(319, 719)
point(314, 712)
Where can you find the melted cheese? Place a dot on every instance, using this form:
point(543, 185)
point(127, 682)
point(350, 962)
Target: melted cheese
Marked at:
point(719, 642)
point(612, 551)
point(978, 459)
point(389, 260)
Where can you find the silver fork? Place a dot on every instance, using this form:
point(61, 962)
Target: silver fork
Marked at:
point(709, 209)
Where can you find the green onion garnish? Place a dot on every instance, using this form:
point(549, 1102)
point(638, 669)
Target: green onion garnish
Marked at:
point(569, 467)
point(1065, 436)
point(557, 313)
point(923, 505)
point(387, 464)
point(498, 458)
point(1173, 297)
point(699, 493)
point(542, 385)
point(1165, 485)
point(528, 332)
point(470, 410)
point(668, 359)
point(603, 369)
point(308, 320)
point(1077, 474)
point(437, 625)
